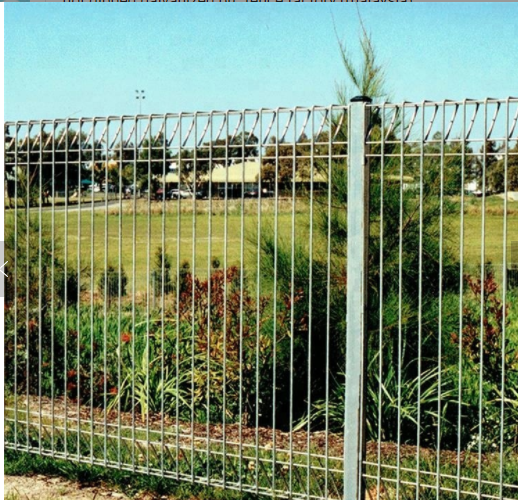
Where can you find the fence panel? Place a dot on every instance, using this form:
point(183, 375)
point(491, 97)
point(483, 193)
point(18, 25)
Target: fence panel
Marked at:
point(190, 297)
point(442, 325)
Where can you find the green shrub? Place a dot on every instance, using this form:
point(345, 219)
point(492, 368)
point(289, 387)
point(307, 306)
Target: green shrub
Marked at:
point(30, 302)
point(162, 280)
point(400, 409)
point(112, 283)
point(150, 381)
point(221, 335)
point(483, 351)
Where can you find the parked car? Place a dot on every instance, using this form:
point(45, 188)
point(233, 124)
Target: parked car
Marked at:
point(174, 194)
point(229, 192)
point(254, 193)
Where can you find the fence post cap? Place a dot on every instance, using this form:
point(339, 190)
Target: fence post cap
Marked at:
point(361, 98)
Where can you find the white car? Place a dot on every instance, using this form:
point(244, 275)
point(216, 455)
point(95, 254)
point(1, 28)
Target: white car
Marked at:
point(174, 194)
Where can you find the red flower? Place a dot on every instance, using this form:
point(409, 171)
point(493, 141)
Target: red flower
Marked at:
point(126, 338)
point(113, 390)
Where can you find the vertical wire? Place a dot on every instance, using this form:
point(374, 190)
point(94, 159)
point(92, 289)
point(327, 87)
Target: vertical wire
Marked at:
point(400, 298)
point(119, 346)
point(52, 286)
point(504, 298)
point(65, 305)
point(40, 287)
point(162, 303)
point(276, 256)
point(292, 291)
point(310, 293)
point(461, 303)
point(27, 298)
point(482, 300)
point(241, 288)
point(134, 290)
point(107, 296)
point(52, 273)
point(328, 295)
point(258, 295)
point(92, 241)
point(381, 291)
point(225, 304)
point(148, 294)
point(209, 294)
point(78, 327)
point(15, 297)
point(193, 290)
point(27, 281)
point(420, 300)
point(439, 331)
point(178, 282)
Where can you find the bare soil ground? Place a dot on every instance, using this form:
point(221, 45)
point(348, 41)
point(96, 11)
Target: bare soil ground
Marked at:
point(59, 409)
point(50, 488)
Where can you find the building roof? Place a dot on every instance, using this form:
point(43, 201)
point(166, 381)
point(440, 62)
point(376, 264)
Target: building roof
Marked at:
point(248, 172)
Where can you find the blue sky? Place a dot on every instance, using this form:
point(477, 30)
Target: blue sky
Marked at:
point(87, 59)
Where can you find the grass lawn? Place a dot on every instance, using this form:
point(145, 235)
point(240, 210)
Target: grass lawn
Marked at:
point(209, 235)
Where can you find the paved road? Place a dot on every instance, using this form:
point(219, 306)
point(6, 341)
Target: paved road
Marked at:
point(85, 205)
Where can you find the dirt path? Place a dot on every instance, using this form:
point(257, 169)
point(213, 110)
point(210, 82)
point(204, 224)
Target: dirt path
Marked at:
point(50, 488)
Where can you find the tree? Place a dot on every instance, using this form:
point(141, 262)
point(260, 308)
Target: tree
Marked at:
point(512, 166)
point(281, 170)
point(211, 153)
point(443, 160)
point(496, 169)
point(48, 161)
point(404, 214)
point(227, 151)
point(495, 181)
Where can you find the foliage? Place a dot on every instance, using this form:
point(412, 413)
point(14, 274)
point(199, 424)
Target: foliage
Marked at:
point(226, 151)
point(149, 383)
point(162, 277)
point(368, 79)
point(220, 328)
point(493, 160)
point(484, 353)
point(282, 163)
point(495, 181)
point(202, 159)
point(112, 283)
point(497, 172)
point(407, 408)
point(47, 164)
point(34, 288)
point(484, 347)
point(409, 257)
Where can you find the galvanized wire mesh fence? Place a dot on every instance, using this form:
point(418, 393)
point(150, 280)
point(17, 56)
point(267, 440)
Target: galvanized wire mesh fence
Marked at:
point(307, 302)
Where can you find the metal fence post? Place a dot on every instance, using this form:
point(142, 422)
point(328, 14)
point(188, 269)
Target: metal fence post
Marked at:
point(357, 258)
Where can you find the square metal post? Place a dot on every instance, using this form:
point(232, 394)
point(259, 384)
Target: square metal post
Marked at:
point(357, 258)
